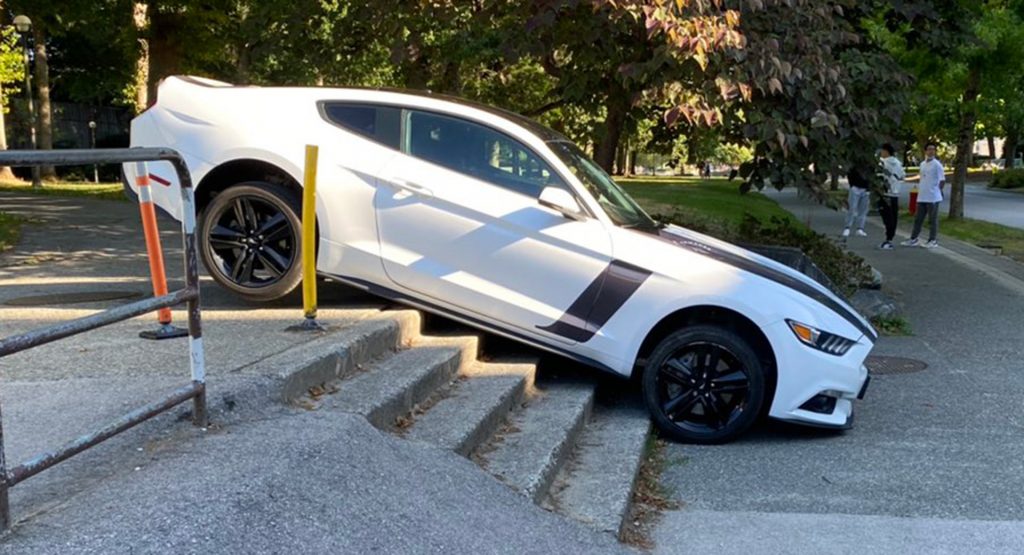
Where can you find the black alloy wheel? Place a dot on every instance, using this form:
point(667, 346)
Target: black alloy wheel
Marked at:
point(251, 243)
point(704, 385)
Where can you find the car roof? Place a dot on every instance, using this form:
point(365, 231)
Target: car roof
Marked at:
point(543, 132)
point(539, 129)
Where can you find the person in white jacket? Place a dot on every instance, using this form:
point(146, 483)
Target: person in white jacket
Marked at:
point(889, 201)
point(932, 178)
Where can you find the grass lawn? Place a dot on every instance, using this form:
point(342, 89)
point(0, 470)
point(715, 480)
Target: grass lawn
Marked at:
point(715, 199)
point(108, 191)
point(10, 227)
point(980, 233)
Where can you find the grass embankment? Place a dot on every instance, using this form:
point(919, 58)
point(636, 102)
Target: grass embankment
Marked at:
point(984, 234)
point(715, 201)
point(106, 191)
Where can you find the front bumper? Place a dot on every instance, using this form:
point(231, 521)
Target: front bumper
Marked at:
point(815, 388)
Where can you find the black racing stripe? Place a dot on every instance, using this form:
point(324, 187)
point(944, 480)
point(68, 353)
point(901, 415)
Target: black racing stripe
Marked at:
point(599, 301)
point(767, 273)
point(416, 302)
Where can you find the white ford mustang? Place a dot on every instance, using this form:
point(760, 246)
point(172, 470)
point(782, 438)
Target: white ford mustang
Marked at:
point(500, 223)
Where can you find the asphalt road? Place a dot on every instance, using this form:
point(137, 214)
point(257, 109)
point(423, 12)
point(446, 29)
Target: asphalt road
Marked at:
point(935, 462)
point(996, 206)
point(982, 203)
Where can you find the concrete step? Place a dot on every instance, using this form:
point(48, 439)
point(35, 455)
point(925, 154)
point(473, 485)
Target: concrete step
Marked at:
point(288, 375)
point(528, 454)
point(392, 387)
point(475, 406)
point(596, 488)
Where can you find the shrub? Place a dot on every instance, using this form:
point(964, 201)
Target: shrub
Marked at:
point(1009, 179)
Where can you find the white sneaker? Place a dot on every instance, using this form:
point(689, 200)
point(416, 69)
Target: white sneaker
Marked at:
point(886, 246)
point(910, 243)
point(846, 232)
point(861, 233)
point(930, 244)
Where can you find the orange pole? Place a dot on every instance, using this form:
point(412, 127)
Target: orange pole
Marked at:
point(149, 229)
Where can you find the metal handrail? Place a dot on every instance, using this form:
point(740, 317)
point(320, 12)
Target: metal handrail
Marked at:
point(196, 390)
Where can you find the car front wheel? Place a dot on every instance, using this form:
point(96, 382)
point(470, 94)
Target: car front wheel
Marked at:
point(703, 384)
point(250, 240)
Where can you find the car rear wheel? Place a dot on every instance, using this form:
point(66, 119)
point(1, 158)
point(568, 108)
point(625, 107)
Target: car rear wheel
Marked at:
point(250, 240)
point(703, 384)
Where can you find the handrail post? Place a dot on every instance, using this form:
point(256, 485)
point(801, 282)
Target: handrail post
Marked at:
point(5, 507)
point(197, 361)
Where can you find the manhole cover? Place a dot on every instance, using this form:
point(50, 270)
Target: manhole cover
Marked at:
point(894, 365)
point(72, 298)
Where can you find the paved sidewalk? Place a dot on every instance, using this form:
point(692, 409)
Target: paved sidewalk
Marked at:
point(936, 458)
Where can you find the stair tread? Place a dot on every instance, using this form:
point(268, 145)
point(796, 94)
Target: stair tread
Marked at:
point(458, 421)
point(527, 458)
point(397, 382)
point(608, 456)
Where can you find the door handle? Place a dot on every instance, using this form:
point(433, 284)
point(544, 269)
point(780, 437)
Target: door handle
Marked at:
point(414, 188)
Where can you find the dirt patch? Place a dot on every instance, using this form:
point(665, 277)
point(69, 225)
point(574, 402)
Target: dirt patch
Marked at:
point(650, 496)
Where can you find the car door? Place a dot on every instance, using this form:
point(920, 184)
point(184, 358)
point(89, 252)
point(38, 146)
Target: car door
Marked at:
point(459, 222)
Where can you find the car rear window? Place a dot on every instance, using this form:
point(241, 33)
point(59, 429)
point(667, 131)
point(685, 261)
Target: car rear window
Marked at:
point(381, 124)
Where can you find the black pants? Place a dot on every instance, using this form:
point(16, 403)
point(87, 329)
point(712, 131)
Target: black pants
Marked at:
point(931, 210)
point(889, 209)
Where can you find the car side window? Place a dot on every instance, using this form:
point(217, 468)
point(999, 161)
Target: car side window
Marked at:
point(381, 124)
point(478, 151)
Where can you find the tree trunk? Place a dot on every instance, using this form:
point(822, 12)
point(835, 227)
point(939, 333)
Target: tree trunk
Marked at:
point(617, 105)
point(631, 162)
point(243, 76)
point(452, 79)
point(964, 144)
point(165, 47)
point(141, 21)
point(417, 73)
point(5, 171)
point(991, 147)
point(1010, 146)
point(44, 121)
point(620, 159)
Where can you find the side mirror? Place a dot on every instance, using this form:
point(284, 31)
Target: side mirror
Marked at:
point(561, 200)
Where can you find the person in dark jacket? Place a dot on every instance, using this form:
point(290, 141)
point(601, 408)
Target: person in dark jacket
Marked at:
point(889, 201)
point(858, 200)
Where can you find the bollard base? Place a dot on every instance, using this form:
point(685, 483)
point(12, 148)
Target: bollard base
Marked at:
point(309, 324)
point(165, 331)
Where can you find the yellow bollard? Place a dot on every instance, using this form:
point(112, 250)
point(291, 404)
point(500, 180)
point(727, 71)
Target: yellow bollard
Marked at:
point(309, 242)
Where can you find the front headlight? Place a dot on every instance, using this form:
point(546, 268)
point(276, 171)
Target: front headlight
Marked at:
point(822, 340)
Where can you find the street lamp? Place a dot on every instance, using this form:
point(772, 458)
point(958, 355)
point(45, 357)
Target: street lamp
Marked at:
point(22, 24)
point(92, 143)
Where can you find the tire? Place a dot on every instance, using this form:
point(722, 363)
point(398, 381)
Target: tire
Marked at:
point(692, 402)
point(249, 239)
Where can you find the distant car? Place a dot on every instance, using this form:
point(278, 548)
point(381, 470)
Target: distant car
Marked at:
point(497, 222)
point(999, 164)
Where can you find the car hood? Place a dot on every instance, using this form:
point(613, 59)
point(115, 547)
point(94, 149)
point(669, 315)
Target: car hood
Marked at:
point(743, 259)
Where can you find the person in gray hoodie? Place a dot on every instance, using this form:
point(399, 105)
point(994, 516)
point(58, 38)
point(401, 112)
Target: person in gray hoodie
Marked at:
point(889, 201)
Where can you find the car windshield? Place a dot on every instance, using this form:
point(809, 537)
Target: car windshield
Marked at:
point(620, 207)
